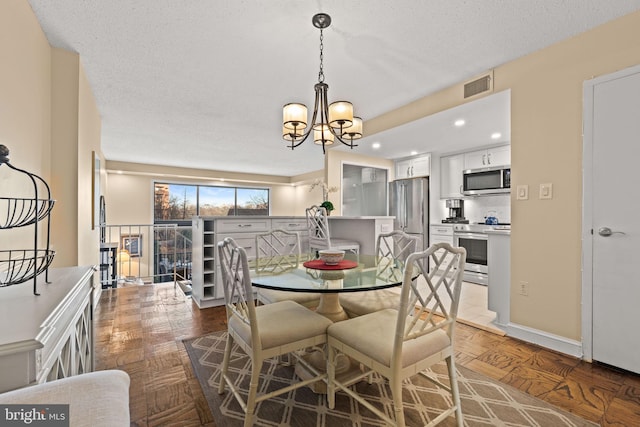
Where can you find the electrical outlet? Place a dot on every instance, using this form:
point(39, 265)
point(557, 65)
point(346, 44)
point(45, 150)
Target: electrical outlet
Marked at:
point(522, 192)
point(524, 288)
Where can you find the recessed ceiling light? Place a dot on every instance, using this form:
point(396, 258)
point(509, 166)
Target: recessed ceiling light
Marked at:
point(414, 152)
point(496, 135)
point(375, 145)
point(119, 172)
point(459, 122)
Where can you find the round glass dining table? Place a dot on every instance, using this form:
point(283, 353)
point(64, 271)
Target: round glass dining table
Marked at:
point(367, 275)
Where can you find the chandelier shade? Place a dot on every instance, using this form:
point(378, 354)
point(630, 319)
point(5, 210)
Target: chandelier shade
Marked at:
point(323, 135)
point(329, 122)
point(294, 116)
point(355, 130)
point(340, 114)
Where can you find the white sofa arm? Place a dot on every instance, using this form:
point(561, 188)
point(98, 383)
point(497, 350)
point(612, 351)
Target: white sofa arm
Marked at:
point(99, 398)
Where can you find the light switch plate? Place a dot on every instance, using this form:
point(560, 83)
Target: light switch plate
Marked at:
point(522, 192)
point(546, 191)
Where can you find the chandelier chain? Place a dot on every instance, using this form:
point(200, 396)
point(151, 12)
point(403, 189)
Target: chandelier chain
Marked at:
point(321, 72)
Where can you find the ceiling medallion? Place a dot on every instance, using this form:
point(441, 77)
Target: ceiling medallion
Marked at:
point(329, 122)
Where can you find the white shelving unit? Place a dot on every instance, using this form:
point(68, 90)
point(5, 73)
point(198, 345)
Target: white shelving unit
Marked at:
point(207, 288)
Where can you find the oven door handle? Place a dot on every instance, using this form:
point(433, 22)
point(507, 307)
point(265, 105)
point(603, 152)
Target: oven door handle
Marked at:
point(472, 236)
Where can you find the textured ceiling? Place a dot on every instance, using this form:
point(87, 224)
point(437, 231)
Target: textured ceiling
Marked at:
point(201, 83)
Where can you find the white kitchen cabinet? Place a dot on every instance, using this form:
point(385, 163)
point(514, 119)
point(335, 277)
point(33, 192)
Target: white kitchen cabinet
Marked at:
point(413, 167)
point(495, 156)
point(451, 168)
point(441, 233)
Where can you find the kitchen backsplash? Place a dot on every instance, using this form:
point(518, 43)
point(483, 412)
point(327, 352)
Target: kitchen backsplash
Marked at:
point(477, 208)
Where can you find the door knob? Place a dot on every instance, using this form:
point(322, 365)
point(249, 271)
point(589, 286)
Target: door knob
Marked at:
point(606, 232)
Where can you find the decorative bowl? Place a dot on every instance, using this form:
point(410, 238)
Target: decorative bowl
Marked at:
point(331, 256)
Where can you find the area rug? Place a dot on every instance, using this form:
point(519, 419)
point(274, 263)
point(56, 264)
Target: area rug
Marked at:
point(484, 402)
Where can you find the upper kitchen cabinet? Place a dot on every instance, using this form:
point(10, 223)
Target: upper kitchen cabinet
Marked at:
point(495, 156)
point(413, 167)
point(451, 168)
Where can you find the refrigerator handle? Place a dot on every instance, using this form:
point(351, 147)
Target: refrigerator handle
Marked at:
point(403, 206)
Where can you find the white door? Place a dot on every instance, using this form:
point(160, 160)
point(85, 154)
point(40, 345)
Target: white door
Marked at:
point(612, 223)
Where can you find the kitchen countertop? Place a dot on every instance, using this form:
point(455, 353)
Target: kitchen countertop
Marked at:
point(293, 216)
point(360, 217)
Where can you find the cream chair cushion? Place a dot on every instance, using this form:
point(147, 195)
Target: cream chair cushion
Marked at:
point(373, 335)
point(274, 332)
point(360, 303)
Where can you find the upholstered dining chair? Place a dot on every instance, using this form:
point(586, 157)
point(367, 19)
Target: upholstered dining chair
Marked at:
point(278, 251)
point(408, 339)
point(319, 236)
point(262, 332)
point(391, 248)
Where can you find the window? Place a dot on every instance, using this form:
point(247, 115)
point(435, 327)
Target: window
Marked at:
point(179, 202)
point(175, 202)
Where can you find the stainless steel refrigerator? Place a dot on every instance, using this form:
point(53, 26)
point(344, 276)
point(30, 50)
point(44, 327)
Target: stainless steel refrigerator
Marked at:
point(409, 203)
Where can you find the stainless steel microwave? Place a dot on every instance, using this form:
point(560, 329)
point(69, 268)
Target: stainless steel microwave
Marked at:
point(494, 180)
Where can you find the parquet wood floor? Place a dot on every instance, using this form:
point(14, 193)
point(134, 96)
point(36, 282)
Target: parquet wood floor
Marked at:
point(140, 329)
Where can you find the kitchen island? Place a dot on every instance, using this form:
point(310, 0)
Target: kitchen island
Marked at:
point(208, 231)
point(362, 229)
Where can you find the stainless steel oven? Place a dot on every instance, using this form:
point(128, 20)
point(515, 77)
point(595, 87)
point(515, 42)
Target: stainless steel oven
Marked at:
point(475, 242)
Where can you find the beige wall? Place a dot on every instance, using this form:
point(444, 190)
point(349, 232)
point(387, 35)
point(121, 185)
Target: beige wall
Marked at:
point(75, 133)
point(129, 193)
point(64, 155)
point(546, 146)
point(89, 128)
point(25, 114)
point(49, 121)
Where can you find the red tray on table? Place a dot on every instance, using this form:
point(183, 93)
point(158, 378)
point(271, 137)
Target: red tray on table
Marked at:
point(318, 264)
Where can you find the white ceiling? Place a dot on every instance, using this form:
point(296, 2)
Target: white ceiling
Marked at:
point(201, 84)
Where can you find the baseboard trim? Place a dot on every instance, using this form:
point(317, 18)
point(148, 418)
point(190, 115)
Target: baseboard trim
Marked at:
point(545, 339)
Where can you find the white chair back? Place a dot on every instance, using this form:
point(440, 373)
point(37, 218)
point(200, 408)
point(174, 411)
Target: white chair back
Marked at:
point(318, 227)
point(277, 251)
point(393, 249)
point(425, 309)
point(236, 282)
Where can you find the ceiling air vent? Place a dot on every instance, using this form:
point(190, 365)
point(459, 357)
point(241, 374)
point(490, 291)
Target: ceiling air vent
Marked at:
point(477, 86)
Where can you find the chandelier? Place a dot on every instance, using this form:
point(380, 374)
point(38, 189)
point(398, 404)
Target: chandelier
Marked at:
point(329, 122)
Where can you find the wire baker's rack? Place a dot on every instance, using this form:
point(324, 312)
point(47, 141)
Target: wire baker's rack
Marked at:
point(21, 265)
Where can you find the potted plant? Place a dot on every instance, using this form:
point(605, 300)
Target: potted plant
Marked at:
point(325, 194)
point(327, 205)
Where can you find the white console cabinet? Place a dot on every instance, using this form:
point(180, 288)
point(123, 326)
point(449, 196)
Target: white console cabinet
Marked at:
point(206, 281)
point(48, 336)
